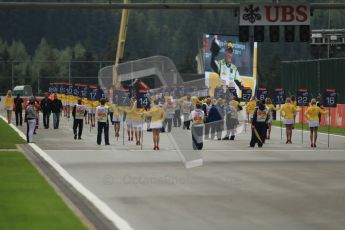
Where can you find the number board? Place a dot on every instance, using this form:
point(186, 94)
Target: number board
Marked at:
point(69, 89)
point(55, 88)
point(122, 98)
point(101, 94)
point(83, 91)
point(143, 100)
point(246, 94)
point(279, 96)
point(302, 97)
point(62, 88)
point(92, 93)
point(330, 98)
point(76, 89)
point(261, 94)
point(51, 88)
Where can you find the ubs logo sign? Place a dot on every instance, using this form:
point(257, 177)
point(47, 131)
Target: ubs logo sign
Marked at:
point(271, 14)
point(251, 13)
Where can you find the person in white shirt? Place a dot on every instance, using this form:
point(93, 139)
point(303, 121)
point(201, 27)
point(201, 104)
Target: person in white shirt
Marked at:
point(187, 107)
point(78, 113)
point(102, 113)
point(169, 109)
point(197, 117)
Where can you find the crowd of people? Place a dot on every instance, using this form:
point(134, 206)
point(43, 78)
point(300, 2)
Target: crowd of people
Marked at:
point(208, 119)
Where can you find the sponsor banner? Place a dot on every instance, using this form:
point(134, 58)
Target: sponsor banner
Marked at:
point(274, 14)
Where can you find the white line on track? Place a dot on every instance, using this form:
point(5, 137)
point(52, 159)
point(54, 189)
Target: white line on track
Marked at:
point(251, 150)
point(118, 222)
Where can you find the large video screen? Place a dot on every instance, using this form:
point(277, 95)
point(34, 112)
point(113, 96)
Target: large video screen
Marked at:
point(244, 58)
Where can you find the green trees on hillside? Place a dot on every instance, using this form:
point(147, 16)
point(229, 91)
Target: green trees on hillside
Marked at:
point(92, 35)
point(47, 64)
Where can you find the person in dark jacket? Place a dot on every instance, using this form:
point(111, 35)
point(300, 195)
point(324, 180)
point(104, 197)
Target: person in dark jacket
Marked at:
point(46, 109)
point(18, 107)
point(56, 108)
point(215, 120)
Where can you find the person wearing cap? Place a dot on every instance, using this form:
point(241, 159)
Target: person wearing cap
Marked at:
point(9, 103)
point(259, 125)
point(30, 119)
point(197, 117)
point(78, 112)
point(227, 71)
point(102, 113)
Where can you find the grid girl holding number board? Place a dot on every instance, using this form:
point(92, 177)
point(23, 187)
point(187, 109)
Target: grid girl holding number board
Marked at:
point(288, 111)
point(312, 116)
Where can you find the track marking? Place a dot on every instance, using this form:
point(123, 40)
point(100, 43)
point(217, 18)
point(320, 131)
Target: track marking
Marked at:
point(249, 150)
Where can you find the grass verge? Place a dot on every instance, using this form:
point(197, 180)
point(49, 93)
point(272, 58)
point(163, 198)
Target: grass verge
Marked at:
point(27, 200)
point(8, 137)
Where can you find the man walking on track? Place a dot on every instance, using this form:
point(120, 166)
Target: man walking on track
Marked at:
point(78, 113)
point(18, 109)
point(46, 104)
point(102, 113)
point(30, 118)
point(56, 109)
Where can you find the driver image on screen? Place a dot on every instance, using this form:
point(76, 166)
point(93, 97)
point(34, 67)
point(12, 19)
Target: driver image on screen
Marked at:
point(227, 71)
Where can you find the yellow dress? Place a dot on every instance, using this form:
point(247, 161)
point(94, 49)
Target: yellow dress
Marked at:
point(313, 111)
point(288, 110)
point(250, 108)
point(9, 103)
point(116, 110)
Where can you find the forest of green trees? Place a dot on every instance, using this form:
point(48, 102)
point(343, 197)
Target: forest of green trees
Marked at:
point(42, 43)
